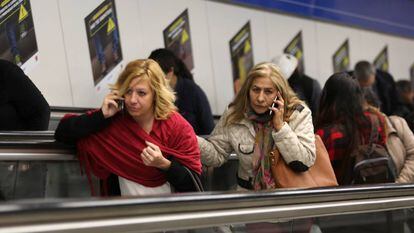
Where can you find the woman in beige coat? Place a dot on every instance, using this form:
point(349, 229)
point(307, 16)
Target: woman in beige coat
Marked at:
point(400, 144)
point(266, 113)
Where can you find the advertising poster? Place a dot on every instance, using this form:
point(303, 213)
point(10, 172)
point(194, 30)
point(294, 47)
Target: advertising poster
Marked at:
point(241, 52)
point(104, 43)
point(17, 34)
point(177, 38)
point(340, 58)
point(381, 61)
point(295, 48)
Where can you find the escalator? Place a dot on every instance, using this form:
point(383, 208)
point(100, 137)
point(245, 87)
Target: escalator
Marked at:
point(46, 192)
point(381, 208)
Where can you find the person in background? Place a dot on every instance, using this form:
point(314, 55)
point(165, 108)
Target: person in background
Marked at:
point(307, 88)
point(191, 101)
point(381, 82)
point(400, 142)
point(387, 92)
point(344, 120)
point(364, 73)
point(251, 128)
point(22, 107)
point(406, 98)
point(146, 143)
point(400, 145)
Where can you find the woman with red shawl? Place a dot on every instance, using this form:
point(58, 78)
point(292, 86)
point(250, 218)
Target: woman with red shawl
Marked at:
point(148, 145)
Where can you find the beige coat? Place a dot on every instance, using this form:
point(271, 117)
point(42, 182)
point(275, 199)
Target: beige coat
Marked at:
point(400, 144)
point(295, 141)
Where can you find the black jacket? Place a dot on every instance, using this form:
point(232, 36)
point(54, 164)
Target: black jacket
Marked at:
point(307, 89)
point(22, 106)
point(193, 105)
point(386, 91)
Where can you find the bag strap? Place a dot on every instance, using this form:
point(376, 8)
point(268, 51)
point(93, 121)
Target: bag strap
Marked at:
point(196, 180)
point(393, 125)
point(274, 156)
point(374, 130)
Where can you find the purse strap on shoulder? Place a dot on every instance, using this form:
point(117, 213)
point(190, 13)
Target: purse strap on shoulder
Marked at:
point(274, 156)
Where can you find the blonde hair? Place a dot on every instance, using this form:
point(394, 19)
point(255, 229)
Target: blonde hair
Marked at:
point(241, 103)
point(148, 69)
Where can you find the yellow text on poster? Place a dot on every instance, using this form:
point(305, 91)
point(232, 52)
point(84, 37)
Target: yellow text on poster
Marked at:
point(3, 3)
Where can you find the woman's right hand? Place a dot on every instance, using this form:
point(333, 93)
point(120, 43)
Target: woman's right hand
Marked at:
point(110, 106)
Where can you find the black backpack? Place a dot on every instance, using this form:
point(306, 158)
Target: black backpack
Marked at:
point(373, 163)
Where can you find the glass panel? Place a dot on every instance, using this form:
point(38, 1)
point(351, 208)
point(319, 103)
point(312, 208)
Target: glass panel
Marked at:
point(222, 178)
point(40, 179)
point(378, 222)
point(396, 221)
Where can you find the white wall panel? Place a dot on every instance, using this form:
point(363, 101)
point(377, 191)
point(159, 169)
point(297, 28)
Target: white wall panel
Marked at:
point(224, 21)
point(50, 75)
point(400, 56)
point(372, 44)
point(156, 15)
point(329, 39)
point(281, 29)
point(130, 24)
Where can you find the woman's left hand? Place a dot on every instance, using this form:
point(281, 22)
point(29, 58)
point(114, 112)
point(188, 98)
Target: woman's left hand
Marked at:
point(278, 112)
point(152, 156)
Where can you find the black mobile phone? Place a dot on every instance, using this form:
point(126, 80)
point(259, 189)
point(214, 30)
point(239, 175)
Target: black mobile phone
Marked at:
point(120, 103)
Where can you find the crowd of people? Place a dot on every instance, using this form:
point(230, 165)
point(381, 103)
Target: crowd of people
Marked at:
point(145, 132)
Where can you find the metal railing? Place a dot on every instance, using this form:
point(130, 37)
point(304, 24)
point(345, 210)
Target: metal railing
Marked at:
point(187, 211)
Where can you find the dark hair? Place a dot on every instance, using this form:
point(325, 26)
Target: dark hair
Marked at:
point(403, 86)
point(342, 104)
point(371, 97)
point(363, 69)
point(167, 60)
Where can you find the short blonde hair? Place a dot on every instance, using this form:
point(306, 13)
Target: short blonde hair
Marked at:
point(148, 69)
point(241, 103)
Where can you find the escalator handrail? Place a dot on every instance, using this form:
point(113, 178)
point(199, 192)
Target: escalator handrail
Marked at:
point(202, 209)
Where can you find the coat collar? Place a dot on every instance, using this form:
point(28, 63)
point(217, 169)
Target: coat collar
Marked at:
point(390, 126)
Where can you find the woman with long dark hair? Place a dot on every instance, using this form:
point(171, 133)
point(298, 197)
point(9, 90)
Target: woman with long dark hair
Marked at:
point(344, 121)
point(191, 100)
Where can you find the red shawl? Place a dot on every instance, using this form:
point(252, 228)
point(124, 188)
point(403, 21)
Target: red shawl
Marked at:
point(117, 148)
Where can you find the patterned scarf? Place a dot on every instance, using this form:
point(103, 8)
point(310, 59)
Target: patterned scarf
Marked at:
point(262, 176)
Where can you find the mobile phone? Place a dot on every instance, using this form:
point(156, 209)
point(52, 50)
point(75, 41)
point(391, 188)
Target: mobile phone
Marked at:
point(273, 105)
point(120, 103)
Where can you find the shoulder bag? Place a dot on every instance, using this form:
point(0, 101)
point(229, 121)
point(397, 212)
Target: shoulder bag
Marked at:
point(321, 174)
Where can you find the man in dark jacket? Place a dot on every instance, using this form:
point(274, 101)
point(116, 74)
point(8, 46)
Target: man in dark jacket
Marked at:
point(386, 91)
point(406, 97)
point(22, 106)
point(381, 83)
